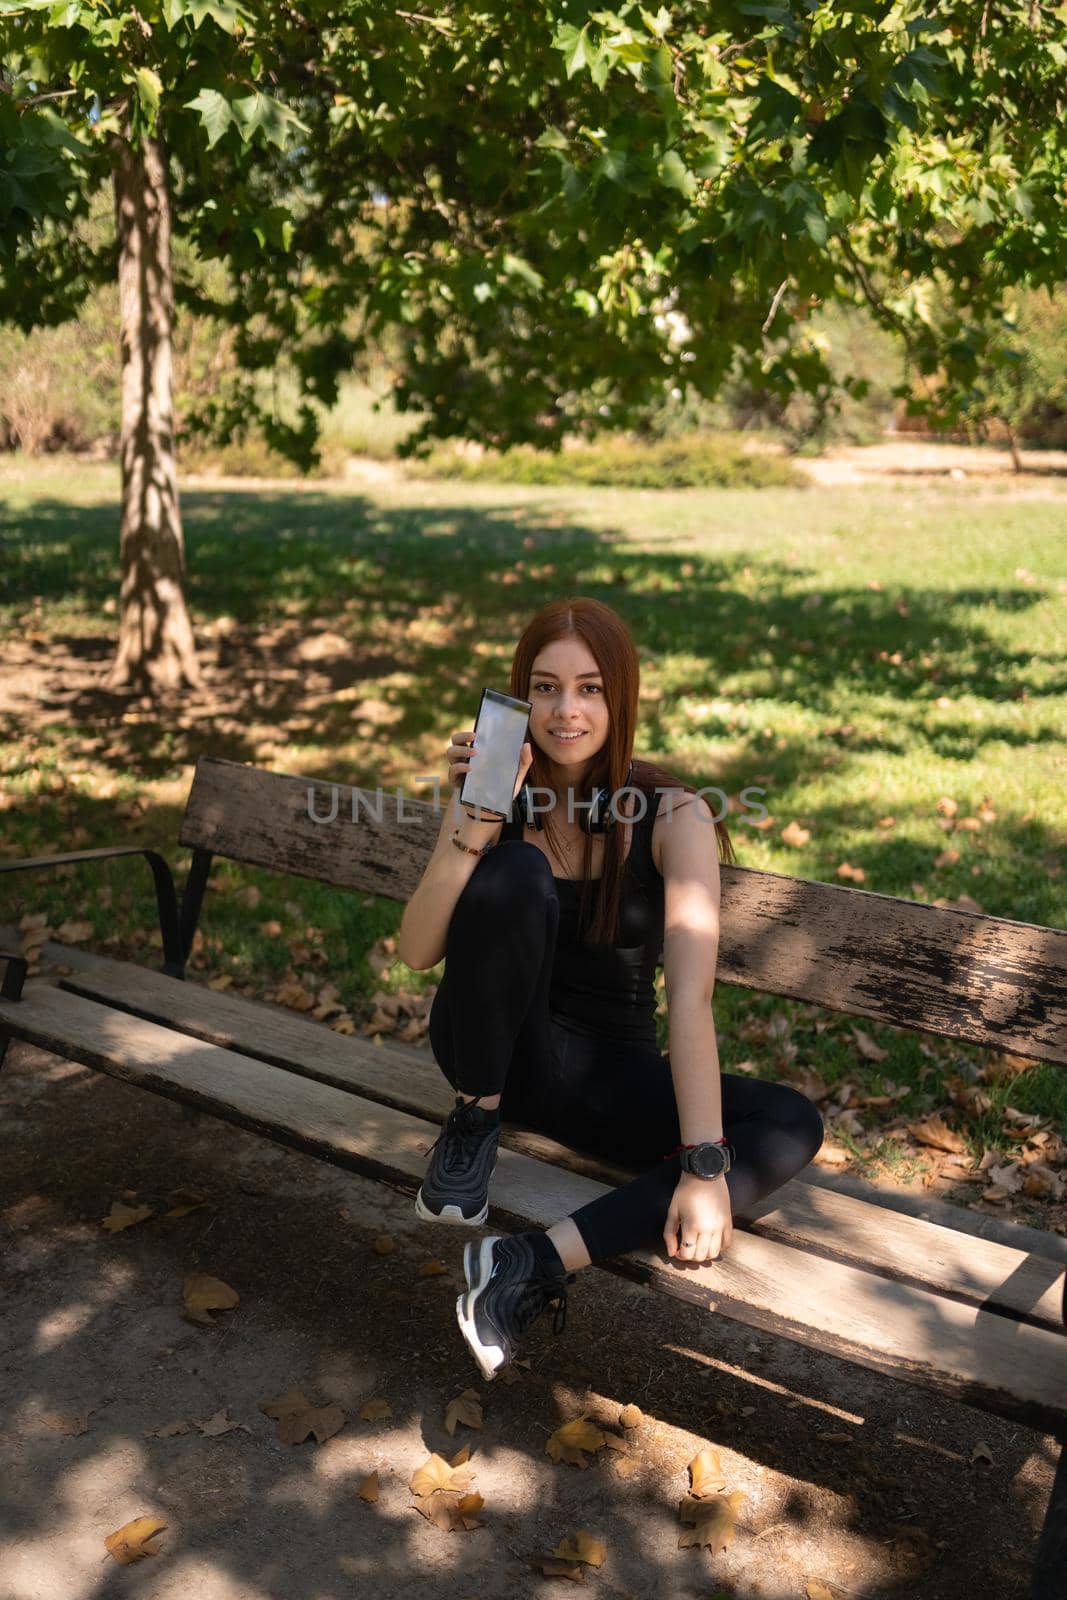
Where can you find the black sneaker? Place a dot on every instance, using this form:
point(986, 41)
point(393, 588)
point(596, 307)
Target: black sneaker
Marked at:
point(462, 1161)
point(510, 1282)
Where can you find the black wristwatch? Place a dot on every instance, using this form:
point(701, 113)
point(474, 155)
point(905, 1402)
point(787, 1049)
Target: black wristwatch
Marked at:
point(707, 1160)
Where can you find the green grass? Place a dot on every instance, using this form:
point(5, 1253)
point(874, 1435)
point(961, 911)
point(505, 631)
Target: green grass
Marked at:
point(798, 640)
point(687, 461)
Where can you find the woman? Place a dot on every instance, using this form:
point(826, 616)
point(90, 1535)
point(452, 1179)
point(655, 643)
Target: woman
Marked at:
point(545, 1015)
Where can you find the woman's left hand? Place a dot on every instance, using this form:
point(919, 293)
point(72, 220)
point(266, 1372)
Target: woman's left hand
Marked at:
point(700, 1212)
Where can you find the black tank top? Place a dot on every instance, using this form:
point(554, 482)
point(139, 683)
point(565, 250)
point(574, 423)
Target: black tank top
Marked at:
point(609, 990)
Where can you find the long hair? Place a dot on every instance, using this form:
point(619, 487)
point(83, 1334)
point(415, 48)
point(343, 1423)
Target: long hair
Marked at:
point(609, 641)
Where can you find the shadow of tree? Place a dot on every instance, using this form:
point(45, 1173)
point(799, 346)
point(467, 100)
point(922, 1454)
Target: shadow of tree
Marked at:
point(95, 1320)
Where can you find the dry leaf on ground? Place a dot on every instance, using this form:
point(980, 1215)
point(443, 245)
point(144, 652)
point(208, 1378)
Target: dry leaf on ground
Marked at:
point(467, 1408)
point(368, 1489)
point(168, 1430)
point(581, 1547)
point(130, 1542)
point(551, 1568)
point(573, 1439)
point(375, 1410)
point(436, 1473)
point(72, 1423)
point(935, 1132)
point(714, 1521)
point(867, 1047)
point(220, 1423)
point(706, 1474)
point(202, 1293)
point(182, 1201)
point(297, 1417)
point(452, 1513)
point(793, 834)
point(121, 1216)
point(383, 1244)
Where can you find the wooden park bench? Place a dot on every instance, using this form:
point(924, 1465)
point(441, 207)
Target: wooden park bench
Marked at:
point(927, 1301)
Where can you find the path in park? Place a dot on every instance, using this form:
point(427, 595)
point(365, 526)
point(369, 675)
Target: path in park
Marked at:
point(849, 1480)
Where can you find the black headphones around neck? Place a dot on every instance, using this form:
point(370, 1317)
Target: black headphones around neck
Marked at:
point(594, 817)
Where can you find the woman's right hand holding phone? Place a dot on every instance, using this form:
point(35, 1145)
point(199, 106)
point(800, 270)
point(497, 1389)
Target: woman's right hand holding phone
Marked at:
point(460, 754)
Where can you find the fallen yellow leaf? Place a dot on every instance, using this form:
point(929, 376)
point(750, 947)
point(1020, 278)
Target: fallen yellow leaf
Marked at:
point(436, 1473)
point(183, 1201)
point(582, 1547)
point(297, 1417)
point(705, 1473)
point(202, 1293)
point(466, 1409)
point(573, 1439)
point(452, 1513)
point(368, 1489)
point(714, 1521)
point(552, 1568)
point(130, 1542)
point(375, 1410)
point(121, 1216)
point(935, 1131)
point(383, 1244)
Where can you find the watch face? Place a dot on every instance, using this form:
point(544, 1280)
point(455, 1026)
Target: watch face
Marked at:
point(708, 1160)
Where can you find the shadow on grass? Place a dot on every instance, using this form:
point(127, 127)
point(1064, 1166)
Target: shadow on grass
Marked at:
point(438, 594)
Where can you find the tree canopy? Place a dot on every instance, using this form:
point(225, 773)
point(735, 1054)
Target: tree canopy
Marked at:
point(555, 211)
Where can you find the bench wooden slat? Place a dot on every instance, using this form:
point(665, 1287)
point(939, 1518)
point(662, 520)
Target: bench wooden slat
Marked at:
point(836, 1226)
point(988, 980)
point(1006, 1366)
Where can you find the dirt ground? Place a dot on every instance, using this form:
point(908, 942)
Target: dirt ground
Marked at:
point(849, 1480)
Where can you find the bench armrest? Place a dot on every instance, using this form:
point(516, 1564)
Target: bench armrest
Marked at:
point(166, 896)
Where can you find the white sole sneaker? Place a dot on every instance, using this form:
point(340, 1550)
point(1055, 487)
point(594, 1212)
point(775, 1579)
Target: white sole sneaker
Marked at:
point(477, 1266)
point(451, 1214)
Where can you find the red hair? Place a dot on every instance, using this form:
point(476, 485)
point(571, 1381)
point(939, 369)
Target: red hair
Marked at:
point(609, 641)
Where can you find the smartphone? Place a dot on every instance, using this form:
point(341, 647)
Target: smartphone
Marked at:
point(499, 735)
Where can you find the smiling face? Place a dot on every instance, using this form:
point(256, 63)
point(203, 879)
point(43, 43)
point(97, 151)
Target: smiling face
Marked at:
point(566, 691)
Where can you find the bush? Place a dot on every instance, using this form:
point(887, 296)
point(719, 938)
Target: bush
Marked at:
point(690, 461)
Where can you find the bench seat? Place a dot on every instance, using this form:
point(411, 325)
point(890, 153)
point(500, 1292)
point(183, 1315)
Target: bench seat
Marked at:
point(983, 1354)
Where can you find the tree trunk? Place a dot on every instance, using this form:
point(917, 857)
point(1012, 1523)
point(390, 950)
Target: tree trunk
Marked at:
point(156, 651)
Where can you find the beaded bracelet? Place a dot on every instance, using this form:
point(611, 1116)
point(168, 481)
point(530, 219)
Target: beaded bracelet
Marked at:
point(458, 842)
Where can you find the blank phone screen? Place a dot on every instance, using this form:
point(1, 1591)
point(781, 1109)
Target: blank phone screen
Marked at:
point(499, 735)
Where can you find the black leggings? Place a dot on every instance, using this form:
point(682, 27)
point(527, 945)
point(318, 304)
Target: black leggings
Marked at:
point(492, 1033)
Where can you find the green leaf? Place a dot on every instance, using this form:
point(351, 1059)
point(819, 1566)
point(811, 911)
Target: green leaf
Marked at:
point(775, 112)
point(215, 113)
point(220, 11)
point(259, 112)
point(676, 175)
point(149, 90)
point(572, 42)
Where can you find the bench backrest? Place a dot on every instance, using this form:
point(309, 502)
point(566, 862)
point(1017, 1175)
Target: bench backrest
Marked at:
point(957, 974)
